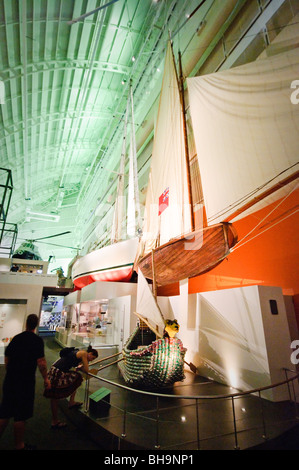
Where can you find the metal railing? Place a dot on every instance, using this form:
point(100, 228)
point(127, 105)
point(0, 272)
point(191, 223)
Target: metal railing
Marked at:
point(202, 400)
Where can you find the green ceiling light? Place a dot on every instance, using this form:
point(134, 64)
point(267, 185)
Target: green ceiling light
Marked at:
point(41, 216)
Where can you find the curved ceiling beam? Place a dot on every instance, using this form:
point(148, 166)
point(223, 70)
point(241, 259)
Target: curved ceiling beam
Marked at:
point(40, 119)
point(59, 65)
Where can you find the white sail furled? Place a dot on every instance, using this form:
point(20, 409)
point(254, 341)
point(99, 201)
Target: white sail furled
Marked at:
point(246, 129)
point(167, 209)
point(146, 305)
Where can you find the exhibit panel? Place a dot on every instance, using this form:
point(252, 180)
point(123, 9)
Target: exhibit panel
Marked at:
point(51, 313)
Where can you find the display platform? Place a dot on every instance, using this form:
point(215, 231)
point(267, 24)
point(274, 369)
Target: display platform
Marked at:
point(173, 425)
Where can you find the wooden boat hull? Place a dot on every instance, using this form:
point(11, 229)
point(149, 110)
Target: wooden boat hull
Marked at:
point(161, 367)
point(112, 263)
point(191, 255)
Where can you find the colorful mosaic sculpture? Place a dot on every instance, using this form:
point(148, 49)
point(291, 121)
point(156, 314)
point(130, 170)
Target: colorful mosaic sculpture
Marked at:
point(152, 363)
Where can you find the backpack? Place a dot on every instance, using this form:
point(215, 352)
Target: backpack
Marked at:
point(66, 351)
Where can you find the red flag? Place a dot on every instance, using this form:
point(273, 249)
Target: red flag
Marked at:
point(163, 201)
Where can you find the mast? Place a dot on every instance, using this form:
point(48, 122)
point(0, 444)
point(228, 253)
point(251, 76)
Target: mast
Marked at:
point(168, 179)
point(133, 195)
point(134, 171)
point(182, 98)
point(118, 210)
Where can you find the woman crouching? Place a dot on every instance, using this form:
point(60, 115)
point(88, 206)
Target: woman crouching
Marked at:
point(65, 381)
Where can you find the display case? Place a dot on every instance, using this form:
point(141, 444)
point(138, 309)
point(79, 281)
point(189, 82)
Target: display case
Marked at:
point(96, 324)
point(66, 332)
point(84, 324)
point(98, 316)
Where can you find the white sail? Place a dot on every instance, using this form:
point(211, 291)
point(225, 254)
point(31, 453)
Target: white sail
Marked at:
point(167, 210)
point(146, 305)
point(246, 129)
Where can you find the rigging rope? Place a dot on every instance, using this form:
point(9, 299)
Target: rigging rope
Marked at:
point(238, 245)
point(244, 198)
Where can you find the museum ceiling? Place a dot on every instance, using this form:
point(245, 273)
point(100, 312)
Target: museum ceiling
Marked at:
point(65, 71)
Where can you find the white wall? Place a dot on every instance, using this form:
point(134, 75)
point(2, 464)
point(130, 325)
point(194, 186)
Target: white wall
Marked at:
point(31, 293)
point(291, 317)
point(232, 337)
point(29, 279)
point(277, 336)
point(12, 318)
point(121, 309)
point(25, 287)
point(107, 290)
point(72, 298)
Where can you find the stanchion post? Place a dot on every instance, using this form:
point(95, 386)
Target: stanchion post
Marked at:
point(157, 446)
point(197, 425)
point(86, 396)
point(264, 436)
point(123, 435)
point(235, 425)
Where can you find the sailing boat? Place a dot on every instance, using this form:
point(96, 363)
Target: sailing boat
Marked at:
point(115, 262)
point(245, 129)
point(152, 356)
point(169, 233)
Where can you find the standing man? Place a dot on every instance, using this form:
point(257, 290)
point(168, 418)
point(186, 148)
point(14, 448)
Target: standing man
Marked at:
point(23, 355)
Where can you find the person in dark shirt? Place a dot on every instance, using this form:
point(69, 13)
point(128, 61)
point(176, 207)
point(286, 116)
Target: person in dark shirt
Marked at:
point(23, 355)
point(65, 380)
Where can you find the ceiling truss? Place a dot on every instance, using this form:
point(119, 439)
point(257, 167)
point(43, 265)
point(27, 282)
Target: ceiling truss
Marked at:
point(66, 89)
